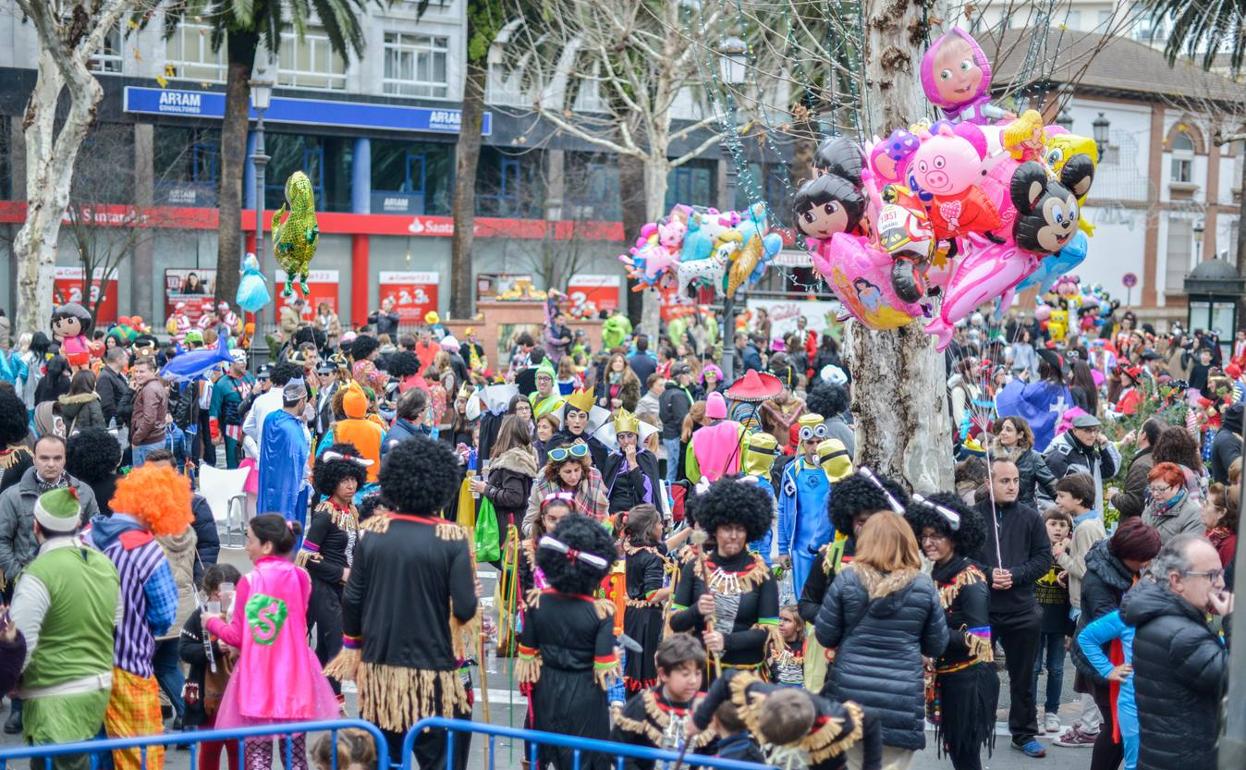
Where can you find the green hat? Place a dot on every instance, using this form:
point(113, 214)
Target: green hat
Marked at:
point(58, 510)
point(545, 367)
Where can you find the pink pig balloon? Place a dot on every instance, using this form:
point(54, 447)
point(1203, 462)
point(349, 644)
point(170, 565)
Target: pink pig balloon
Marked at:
point(860, 276)
point(984, 272)
point(949, 160)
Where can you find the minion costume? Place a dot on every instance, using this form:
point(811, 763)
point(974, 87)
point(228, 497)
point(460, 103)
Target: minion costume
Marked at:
point(760, 451)
point(803, 494)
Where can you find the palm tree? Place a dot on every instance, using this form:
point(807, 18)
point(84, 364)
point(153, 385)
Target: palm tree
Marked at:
point(241, 26)
point(1203, 29)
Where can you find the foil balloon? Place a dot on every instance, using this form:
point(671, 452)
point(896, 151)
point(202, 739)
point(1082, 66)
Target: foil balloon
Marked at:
point(860, 276)
point(947, 166)
point(956, 76)
point(252, 291)
point(295, 239)
point(889, 158)
point(1056, 265)
point(986, 271)
point(1047, 210)
point(840, 156)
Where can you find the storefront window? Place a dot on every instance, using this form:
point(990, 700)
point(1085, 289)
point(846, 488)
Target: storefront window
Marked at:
point(186, 165)
point(693, 183)
point(592, 187)
point(325, 159)
point(509, 183)
point(412, 177)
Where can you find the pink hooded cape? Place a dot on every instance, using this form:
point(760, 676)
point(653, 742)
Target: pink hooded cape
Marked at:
point(277, 677)
point(717, 449)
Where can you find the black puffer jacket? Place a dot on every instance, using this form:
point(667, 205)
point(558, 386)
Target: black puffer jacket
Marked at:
point(1180, 671)
point(882, 625)
point(1036, 478)
point(1105, 582)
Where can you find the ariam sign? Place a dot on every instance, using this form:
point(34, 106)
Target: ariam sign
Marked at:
point(307, 112)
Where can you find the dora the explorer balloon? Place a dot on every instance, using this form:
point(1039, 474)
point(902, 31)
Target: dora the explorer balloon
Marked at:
point(71, 323)
point(956, 76)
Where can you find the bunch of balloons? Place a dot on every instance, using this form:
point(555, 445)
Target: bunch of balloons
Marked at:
point(1071, 307)
point(938, 219)
point(696, 246)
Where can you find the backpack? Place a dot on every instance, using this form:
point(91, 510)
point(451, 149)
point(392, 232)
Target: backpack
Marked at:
point(185, 406)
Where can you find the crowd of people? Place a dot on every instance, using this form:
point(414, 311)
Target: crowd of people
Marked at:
point(682, 562)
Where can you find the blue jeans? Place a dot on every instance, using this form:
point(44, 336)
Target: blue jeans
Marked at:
point(672, 459)
point(169, 673)
point(1051, 649)
point(140, 452)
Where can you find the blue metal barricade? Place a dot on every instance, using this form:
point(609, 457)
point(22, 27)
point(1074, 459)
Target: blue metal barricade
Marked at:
point(282, 732)
point(579, 746)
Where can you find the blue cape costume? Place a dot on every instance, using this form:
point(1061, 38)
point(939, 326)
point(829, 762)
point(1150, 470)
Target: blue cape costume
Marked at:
point(803, 524)
point(283, 467)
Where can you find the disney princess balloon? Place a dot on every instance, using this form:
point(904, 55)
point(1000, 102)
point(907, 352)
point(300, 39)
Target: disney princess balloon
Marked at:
point(252, 288)
point(956, 76)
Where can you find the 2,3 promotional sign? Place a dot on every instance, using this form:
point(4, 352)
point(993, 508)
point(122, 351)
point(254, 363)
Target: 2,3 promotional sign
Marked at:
point(309, 112)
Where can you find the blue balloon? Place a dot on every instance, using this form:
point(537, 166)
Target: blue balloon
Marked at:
point(1058, 264)
point(188, 366)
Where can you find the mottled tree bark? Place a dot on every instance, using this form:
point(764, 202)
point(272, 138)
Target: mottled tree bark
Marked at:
point(242, 46)
point(463, 207)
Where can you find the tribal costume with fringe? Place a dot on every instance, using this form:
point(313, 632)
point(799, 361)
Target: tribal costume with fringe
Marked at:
point(408, 609)
point(649, 719)
point(567, 655)
point(837, 727)
point(327, 552)
point(962, 693)
point(642, 619)
point(746, 602)
point(831, 559)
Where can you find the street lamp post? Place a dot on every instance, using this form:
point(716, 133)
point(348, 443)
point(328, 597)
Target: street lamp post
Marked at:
point(732, 63)
point(1100, 126)
point(1065, 120)
point(1199, 229)
point(261, 98)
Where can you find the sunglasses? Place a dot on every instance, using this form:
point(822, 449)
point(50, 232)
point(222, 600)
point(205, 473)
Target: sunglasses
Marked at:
point(579, 451)
point(815, 433)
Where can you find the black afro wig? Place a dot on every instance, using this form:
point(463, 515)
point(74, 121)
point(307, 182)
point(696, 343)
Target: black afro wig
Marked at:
point(283, 372)
point(857, 494)
point(369, 505)
point(13, 426)
point(363, 346)
point(574, 576)
point(402, 363)
point(420, 476)
point(968, 537)
point(729, 501)
point(329, 473)
point(92, 455)
point(828, 400)
point(310, 333)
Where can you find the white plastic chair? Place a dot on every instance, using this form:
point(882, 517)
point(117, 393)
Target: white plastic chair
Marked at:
point(223, 491)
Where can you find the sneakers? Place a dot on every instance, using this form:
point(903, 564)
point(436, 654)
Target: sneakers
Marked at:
point(14, 724)
point(1076, 738)
point(1051, 723)
point(1031, 748)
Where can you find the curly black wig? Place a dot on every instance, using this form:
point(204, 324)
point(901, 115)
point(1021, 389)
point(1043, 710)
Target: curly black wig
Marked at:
point(729, 501)
point(310, 333)
point(284, 371)
point(369, 504)
point(968, 538)
point(402, 363)
point(92, 455)
point(13, 425)
point(363, 346)
point(420, 476)
point(574, 576)
point(857, 494)
point(828, 400)
point(327, 474)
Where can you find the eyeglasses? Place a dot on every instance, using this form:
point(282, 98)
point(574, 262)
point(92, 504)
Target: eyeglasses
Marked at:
point(579, 451)
point(933, 538)
point(1212, 575)
point(1161, 490)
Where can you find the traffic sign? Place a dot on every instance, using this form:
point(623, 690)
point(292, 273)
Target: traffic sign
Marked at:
point(1129, 280)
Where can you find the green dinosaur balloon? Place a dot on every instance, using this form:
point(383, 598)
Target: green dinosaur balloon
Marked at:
point(295, 239)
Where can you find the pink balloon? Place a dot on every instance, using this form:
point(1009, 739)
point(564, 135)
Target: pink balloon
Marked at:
point(985, 271)
point(860, 276)
point(995, 184)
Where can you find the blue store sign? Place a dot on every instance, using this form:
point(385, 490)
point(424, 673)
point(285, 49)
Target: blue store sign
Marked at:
point(307, 112)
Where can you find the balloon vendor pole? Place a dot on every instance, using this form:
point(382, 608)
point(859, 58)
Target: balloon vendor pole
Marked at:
point(698, 538)
point(728, 339)
point(990, 481)
point(508, 606)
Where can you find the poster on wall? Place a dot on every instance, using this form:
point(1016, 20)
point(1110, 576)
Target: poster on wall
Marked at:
point(414, 294)
point(490, 285)
point(67, 287)
point(193, 286)
point(590, 294)
point(783, 314)
point(322, 286)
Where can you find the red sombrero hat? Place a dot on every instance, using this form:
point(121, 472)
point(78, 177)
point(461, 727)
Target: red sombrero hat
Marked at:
point(754, 387)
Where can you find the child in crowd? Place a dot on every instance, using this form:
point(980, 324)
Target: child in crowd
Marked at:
point(787, 651)
point(210, 665)
point(734, 739)
point(1052, 592)
point(355, 749)
point(1094, 639)
point(277, 677)
point(647, 593)
point(658, 716)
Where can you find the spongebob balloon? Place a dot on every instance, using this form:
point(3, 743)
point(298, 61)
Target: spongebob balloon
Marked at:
point(295, 239)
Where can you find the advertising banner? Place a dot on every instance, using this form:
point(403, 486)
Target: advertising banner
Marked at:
point(783, 314)
point(193, 286)
point(322, 286)
point(414, 294)
point(67, 287)
point(590, 294)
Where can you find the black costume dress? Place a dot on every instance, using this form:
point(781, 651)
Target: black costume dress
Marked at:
point(746, 601)
point(328, 550)
point(408, 606)
point(961, 700)
point(639, 484)
point(786, 662)
point(649, 719)
point(837, 727)
point(642, 620)
point(567, 656)
point(831, 557)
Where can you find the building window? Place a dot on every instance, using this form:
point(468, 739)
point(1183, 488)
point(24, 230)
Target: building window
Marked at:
point(415, 65)
point(189, 55)
point(108, 57)
point(1180, 249)
point(186, 165)
point(412, 177)
point(1073, 20)
point(693, 182)
point(591, 187)
point(1182, 169)
point(309, 62)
